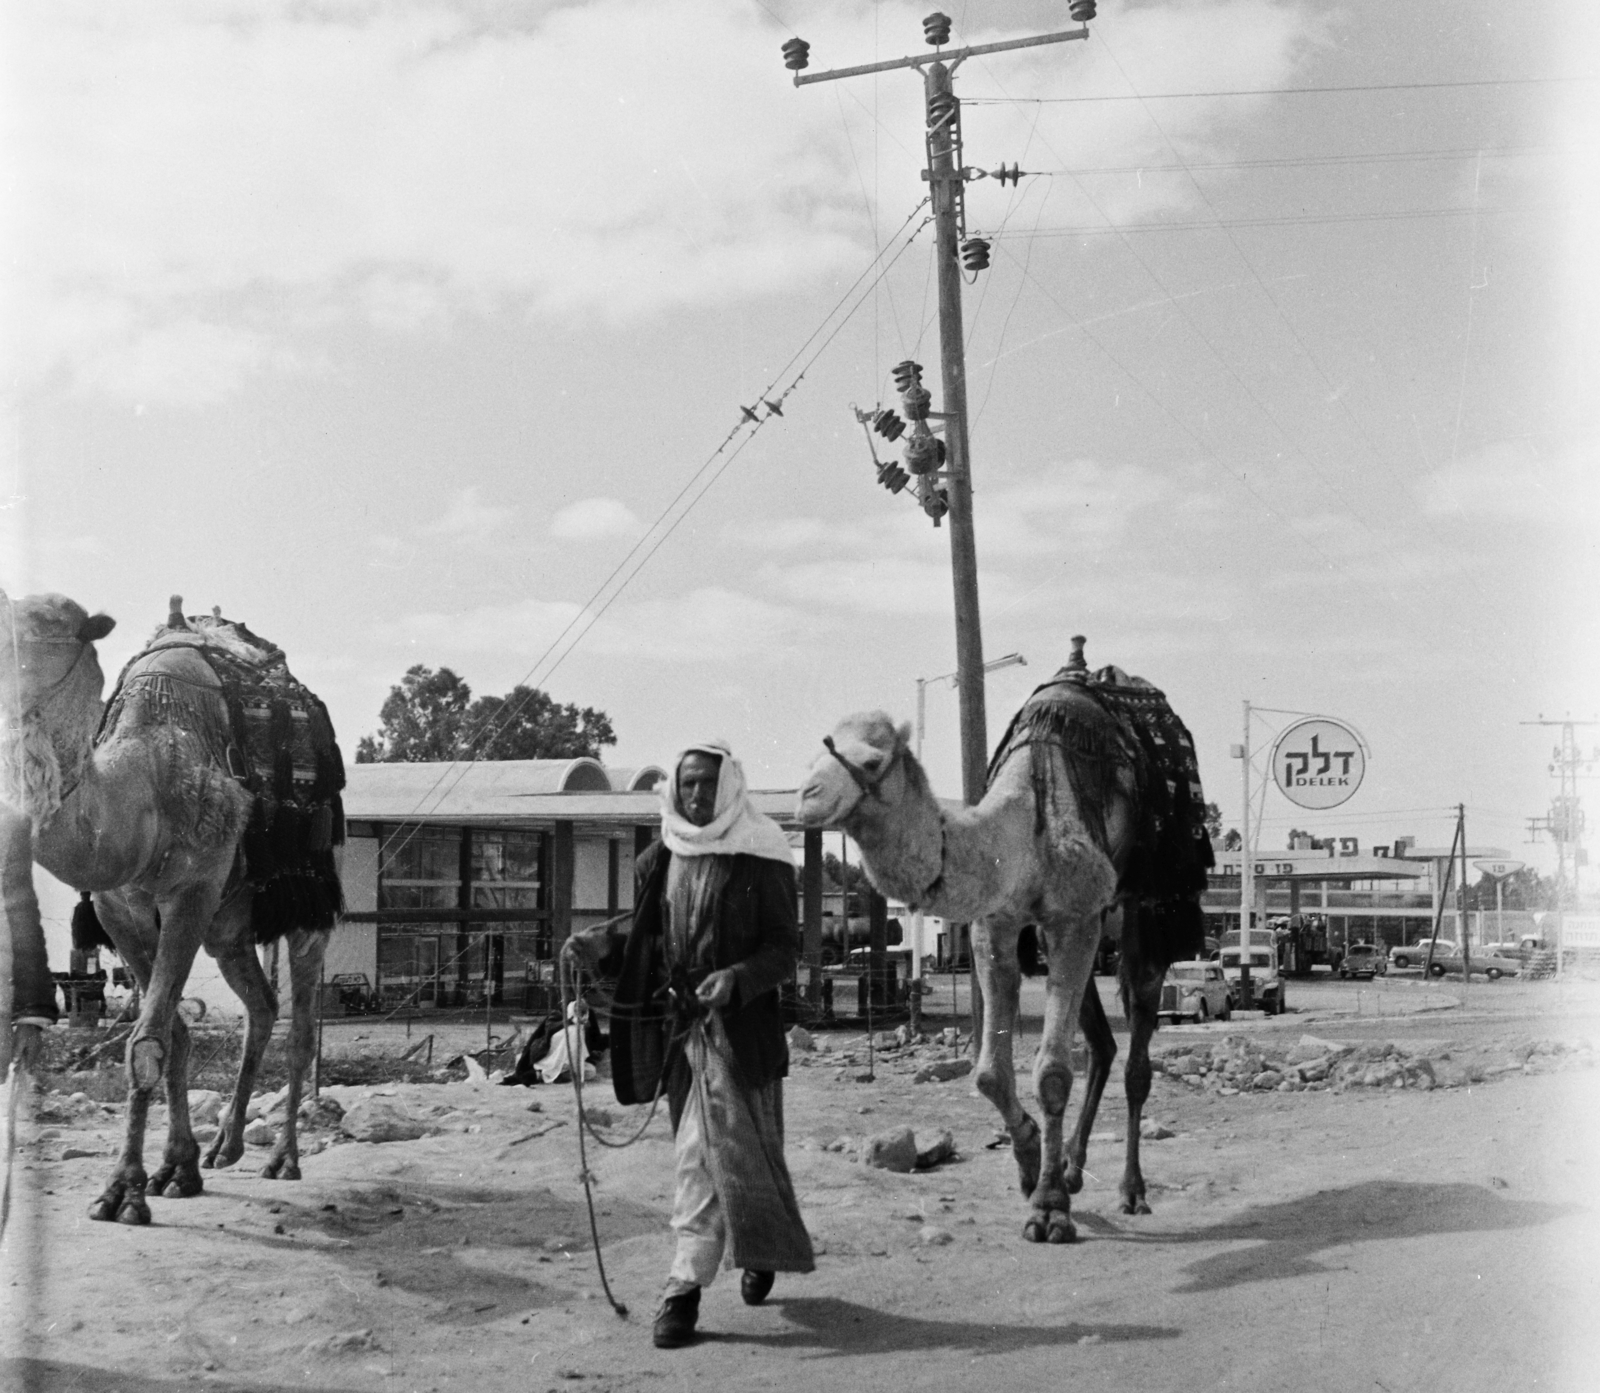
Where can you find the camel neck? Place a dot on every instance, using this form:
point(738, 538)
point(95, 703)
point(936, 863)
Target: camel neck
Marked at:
point(97, 840)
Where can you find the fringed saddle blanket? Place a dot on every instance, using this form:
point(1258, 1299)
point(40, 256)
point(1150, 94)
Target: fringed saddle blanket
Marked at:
point(272, 735)
point(1104, 722)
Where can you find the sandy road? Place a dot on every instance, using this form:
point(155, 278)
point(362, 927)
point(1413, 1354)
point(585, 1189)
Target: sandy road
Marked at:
point(1390, 1239)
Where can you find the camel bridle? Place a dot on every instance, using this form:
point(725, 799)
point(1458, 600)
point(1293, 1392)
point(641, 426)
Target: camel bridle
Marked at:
point(869, 784)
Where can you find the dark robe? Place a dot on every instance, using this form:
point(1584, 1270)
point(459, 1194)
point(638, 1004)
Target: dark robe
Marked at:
point(755, 931)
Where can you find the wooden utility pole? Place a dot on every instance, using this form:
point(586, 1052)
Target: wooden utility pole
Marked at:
point(947, 180)
point(1247, 866)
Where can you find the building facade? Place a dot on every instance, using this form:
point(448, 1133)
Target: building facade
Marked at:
point(1389, 894)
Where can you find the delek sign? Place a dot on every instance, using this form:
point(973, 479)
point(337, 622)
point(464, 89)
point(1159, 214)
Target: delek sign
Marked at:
point(1318, 763)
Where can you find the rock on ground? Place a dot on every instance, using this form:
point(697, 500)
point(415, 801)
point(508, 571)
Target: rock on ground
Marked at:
point(380, 1120)
point(895, 1150)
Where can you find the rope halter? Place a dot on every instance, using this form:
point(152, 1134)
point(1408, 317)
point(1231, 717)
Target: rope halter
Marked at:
point(868, 783)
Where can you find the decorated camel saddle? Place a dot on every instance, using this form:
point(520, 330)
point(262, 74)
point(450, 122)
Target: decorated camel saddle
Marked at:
point(233, 691)
point(1104, 722)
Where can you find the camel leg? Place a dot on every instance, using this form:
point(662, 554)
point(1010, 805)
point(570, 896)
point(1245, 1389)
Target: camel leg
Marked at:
point(178, 1175)
point(994, 963)
point(1071, 957)
point(1102, 1047)
point(305, 975)
point(242, 971)
point(131, 921)
point(1141, 987)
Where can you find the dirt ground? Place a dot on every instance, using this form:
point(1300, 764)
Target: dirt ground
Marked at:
point(1393, 1238)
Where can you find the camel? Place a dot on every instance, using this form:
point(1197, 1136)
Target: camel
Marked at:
point(1086, 829)
point(163, 819)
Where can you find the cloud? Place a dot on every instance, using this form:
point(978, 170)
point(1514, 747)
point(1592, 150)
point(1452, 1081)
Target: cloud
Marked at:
point(468, 516)
point(1511, 482)
point(710, 624)
point(593, 519)
point(200, 190)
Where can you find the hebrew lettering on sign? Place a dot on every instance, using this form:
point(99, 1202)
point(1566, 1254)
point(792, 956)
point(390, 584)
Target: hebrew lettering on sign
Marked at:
point(1318, 763)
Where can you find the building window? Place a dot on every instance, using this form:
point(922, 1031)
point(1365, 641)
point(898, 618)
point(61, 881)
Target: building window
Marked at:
point(507, 873)
point(419, 868)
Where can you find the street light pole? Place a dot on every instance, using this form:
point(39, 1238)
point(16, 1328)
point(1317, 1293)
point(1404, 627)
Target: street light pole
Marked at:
point(1010, 660)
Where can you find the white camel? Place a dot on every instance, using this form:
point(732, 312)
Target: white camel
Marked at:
point(1081, 834)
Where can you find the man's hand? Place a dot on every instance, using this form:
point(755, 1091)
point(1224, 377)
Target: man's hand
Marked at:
point(579, 955)
point(717, 990)
point(27, 1047)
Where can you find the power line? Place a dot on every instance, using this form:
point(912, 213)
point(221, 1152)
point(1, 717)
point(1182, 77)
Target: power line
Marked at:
point(443, 785)
point(1307, 161)
point(1279, 91)
point(1278, 309)
point(1285, 220)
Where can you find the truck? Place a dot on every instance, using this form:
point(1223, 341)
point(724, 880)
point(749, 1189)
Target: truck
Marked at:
point(840, 936)
point(1303, 944)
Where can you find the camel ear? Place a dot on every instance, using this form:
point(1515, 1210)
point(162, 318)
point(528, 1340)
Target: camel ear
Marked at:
point(96, 627)
point(903, 734)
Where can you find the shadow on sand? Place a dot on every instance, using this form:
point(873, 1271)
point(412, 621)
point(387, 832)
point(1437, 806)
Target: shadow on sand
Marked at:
point(832, 1326)
point(1286, 1237)
point(60, 1376)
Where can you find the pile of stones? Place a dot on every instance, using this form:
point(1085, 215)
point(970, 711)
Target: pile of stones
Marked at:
point(1240, 1065)
point(926, 1058)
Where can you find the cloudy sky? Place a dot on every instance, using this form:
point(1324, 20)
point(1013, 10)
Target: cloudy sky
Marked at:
point(397, 329)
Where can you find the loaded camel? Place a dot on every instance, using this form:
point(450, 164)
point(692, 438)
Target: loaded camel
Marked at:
point(1092, 824)
point(200, 809)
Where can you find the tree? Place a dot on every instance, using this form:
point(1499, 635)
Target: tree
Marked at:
point(421, 719)
point(432, 716)
point(1213, 821)
point(526, 724)
point(841, 876)
point(1525, 889)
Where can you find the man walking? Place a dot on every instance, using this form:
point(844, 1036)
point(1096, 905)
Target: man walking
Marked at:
point(714, 934)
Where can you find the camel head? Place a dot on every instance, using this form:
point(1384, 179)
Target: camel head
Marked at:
point(50, 683)
point(42, 639)
point(864, 761)
point(867, 782)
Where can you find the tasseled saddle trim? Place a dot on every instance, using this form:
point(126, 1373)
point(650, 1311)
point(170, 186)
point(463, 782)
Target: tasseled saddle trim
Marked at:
point(273, 736)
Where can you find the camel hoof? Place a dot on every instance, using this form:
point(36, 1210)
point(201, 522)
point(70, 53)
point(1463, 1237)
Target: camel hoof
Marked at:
point(284, 1169)
point(1135, 1206)
point(1060, 1229)
point(1034, 1231)
point(134, 1211)
point(181, 1189)
point(1027, 1148)
point(103, 1210)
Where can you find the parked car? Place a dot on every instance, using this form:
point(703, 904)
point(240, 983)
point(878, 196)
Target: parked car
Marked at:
point(1197, 990)
point(1415, 954)
point(1266, 988)
point(1481, 961)
point(1363, 960)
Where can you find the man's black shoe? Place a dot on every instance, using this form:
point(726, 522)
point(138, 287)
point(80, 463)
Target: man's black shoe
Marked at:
point(675, 1320)
point(754, 1286)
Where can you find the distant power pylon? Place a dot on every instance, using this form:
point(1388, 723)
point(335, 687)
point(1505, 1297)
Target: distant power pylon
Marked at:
point(1565, 822)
